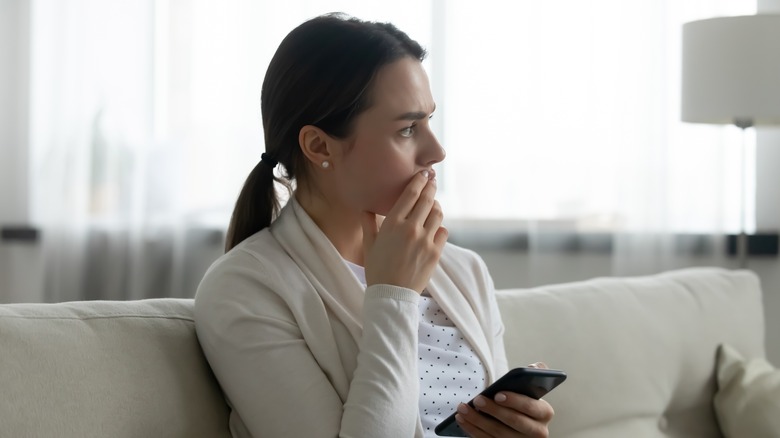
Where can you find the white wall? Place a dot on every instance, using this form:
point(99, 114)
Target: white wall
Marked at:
point(768, 213)
point(768, 219)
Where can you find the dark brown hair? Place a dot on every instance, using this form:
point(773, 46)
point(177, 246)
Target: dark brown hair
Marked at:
point(318, 76)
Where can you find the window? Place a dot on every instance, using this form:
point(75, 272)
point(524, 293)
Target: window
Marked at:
point(567, 112)
point(561, 111)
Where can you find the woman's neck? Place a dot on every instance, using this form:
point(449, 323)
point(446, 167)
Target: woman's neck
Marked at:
point(340, 224)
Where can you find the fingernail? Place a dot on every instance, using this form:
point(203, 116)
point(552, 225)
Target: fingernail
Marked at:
point(458, 418)
point(500, 397)
point(425, 173)
point(463, 409)
point(480, 402)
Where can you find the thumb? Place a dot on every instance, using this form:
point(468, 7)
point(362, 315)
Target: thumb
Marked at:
point(370, 229)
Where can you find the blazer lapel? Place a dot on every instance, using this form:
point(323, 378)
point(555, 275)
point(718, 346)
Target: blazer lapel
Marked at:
point(322, 265)
point(453, 300)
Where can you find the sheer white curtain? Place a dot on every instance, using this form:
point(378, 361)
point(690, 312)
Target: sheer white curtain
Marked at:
point(563, 117)
point(91, 140)
point(145, 120)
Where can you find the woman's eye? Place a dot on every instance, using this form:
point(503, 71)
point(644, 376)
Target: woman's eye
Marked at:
point(408, 131)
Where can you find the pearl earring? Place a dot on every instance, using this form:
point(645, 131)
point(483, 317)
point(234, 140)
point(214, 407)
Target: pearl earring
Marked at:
point(325, 164)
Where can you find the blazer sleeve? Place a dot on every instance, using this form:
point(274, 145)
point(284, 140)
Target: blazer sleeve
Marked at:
point(273, 382)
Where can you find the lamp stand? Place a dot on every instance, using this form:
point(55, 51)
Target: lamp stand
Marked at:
point(742, 239)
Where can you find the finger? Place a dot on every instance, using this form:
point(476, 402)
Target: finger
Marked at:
point(466, 418)
point(405, 203)
point(370, 229)
point(541, 365)
point(470, 429)
point(539, 410)
point(440, 238)
point(422, 208)
point(520, 413)
point(434, 219)
point(477, 424)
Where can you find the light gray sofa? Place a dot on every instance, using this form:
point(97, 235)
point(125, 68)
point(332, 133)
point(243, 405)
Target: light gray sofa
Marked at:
point(640, 353)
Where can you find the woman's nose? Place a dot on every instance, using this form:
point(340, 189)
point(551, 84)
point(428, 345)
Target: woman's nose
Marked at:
point(435, 153)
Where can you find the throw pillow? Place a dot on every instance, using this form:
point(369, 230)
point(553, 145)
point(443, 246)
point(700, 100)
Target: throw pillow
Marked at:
point(747, 402)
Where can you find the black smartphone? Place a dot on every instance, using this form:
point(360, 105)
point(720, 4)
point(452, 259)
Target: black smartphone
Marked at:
point(533, 382)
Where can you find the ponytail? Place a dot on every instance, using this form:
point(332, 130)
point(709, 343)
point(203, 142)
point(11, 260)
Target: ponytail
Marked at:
point(257, 205)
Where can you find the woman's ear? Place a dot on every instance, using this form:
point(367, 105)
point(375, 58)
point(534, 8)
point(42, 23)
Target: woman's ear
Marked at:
point(316, 145)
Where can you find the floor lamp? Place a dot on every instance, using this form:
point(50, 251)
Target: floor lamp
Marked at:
point(731, 76)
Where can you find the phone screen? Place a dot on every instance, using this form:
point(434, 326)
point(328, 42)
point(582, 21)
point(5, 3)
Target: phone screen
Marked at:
point(533, 382)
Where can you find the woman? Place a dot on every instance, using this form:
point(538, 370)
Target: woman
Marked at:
point(345, 313)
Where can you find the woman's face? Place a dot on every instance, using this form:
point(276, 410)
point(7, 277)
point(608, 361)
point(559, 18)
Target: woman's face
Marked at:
point(391, 141)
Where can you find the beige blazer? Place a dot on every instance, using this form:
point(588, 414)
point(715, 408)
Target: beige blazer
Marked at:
point(301, 349)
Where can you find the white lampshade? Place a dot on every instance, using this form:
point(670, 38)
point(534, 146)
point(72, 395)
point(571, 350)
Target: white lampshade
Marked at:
point(731, 70)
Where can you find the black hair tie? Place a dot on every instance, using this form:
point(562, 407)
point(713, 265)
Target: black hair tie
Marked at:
point(270, 162)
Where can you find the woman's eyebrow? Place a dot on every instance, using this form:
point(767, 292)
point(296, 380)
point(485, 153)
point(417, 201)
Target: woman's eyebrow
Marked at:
point(415, 115)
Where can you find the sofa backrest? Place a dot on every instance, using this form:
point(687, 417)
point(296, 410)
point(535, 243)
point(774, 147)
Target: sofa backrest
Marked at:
point(106, 369)
point(639, 352)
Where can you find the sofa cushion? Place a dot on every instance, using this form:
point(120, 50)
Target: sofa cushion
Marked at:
point(108, 369)
point(639, 352)
point(748, 399)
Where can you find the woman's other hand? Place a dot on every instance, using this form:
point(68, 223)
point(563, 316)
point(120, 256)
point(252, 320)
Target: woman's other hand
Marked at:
point(405, 249)
point(515, 415)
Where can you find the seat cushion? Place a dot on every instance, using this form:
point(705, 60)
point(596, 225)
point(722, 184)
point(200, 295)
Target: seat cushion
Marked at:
point(639, 352)
point(106, 368)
